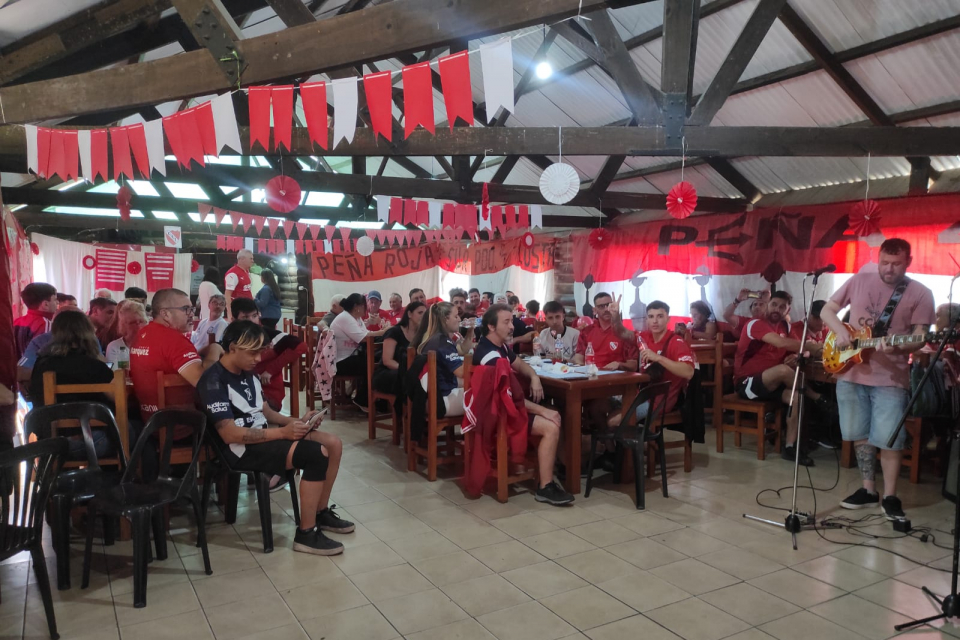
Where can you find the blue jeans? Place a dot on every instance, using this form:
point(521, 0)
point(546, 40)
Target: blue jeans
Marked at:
point(871, 413)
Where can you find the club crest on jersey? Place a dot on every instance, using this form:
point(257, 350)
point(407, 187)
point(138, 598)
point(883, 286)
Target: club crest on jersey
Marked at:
point(614, 345)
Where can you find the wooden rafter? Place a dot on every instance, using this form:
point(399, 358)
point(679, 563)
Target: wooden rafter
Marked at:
point(680, 26)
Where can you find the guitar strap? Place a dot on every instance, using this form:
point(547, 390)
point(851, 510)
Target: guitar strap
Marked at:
point(883, 322)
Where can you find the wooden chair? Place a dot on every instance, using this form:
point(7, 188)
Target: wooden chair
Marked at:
point(500, 468)
point(912, 457)
point(754, 425)
point(293, 380)
point(435, 426)
point(117, 386)
point(311, 337)
point(407, 406)
point(377, 420)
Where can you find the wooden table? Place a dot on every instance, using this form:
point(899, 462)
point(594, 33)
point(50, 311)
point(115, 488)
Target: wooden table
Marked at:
point(570, 394)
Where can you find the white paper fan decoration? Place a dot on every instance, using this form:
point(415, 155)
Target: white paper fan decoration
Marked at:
point(559, 183)
point(365, 246)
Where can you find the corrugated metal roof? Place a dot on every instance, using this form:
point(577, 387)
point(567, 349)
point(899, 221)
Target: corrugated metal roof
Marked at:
point(773, 174)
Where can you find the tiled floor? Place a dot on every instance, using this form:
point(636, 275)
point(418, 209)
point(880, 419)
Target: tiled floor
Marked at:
point(428, 563)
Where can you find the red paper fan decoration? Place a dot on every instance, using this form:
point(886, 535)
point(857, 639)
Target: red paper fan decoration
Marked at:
point(124, 195)
point(89, 263)
point(527, 240)
point(681, 200)
point(599, 239)
point(134, 268)
point(283, 194)
point(773, 272)
point(35, 248)
point(864, 219)
point(194, 266)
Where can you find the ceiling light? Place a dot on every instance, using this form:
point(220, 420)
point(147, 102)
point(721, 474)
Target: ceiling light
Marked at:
point(544, 70)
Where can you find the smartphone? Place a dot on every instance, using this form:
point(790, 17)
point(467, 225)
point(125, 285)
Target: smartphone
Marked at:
point(753, 294)
point(316, 420)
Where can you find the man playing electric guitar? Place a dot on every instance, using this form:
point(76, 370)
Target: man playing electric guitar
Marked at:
point(872, 395)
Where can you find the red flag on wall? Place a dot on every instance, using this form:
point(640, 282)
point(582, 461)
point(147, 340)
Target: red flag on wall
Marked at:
point(313, 97)
point(417, 98)
point(159, 268)
point(457, 92)
point(112, 269)
point(379, 90)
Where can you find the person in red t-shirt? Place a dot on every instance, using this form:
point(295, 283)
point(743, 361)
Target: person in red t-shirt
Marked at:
point(485, 301)
point(41, 301)
point(237, 280)
point(817, 329)
point(395, 312)
point(736, 323)
point(519, 308)
point(473, 297)
point(375, 318)
point(530, 316)
point(766, 361)
point(161, 346)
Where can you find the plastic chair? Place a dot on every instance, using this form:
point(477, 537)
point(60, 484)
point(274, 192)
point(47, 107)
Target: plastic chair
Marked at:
point(23, 495)
point(142, 504)
point(222, 465)
point(635, 437)
point(75, 487)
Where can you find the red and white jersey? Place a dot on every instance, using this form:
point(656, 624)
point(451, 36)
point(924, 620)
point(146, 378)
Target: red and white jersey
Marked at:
point(754, 356)
point(675, 348)
point(160, 348)
point(607, 345)
point(237, 283)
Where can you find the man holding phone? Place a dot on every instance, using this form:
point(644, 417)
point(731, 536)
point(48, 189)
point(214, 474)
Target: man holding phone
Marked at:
point(233, 398)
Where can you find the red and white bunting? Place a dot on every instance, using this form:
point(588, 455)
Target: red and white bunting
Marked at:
point(313, 98)
point(379, 90)
point(457, 92)
point(418, 98)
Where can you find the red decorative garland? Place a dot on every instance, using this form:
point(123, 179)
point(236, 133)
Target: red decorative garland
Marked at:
point(283, 194)
point(124, 195)
point(681, 200)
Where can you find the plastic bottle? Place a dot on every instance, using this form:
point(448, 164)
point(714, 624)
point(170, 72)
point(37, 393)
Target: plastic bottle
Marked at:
point(590, 360)
point(123, 360)
point(536, 345)
point(558, 347)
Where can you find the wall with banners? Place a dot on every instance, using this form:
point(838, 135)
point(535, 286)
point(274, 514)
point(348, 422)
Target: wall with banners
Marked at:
point(436, 268)
point(712, 257)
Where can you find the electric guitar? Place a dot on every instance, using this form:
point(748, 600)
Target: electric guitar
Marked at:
point(839, 360)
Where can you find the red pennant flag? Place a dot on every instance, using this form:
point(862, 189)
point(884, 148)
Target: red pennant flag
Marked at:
point(204, 209)
point(246, 220)
point(423, 213)
point(236, 219)
point(524, 222)
point(450, 234)
point(396, 211)
point(71, 154)
point(262, 246)
point(409, 211)
point(467, 218)
point(258, 222)
point(415, 237)
point(273, 224)
point(449, 215)
point(282, 98)
point(496, 219)
point(55, 161)
point(315, 231)
point(138, 144)
point(457, 92)
point(301, 230)
point(313, 97)
point(98, 154)
point(218, 215)
point(298, 246)
point(120, 144)
point(345, 234)
point(221, 243)
point(381, 236)
point(379, 90)
point(417, 98)
point(190, 137)
point(208, 130)
point(287, 228)
point(258, 99)
point(44, 136)
point(171, 127)
point(510, 217)
point(328, 231)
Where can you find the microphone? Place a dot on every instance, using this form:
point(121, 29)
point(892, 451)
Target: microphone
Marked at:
point(830, 268)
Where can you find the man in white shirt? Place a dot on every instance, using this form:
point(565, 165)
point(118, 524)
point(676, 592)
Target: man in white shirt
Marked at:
point(215, 323)
point(554, 313)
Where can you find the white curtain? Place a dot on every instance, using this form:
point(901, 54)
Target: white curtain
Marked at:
point(60, 263)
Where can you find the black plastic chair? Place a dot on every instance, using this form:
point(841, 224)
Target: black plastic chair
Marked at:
point(76, 487)
point(260, 479)
point(27, 474)
point(143, 504)
point(635, 437)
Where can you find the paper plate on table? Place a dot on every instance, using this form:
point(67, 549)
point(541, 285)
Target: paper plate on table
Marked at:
point(559, 183)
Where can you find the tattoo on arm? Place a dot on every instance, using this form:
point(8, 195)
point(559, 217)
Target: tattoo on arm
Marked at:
point(254, 436)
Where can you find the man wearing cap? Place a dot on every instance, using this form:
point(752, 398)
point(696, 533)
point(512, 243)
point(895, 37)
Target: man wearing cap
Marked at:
point(376, 319)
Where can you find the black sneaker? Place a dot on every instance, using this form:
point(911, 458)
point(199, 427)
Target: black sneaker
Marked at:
point(860, 499)
point(328, 520)
point(892, 508)
point(313, 541)
point(553, 494)
point(277, 483)
point(790, 453)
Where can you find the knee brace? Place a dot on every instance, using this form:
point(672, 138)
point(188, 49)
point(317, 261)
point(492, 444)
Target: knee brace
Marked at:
point(309, 457)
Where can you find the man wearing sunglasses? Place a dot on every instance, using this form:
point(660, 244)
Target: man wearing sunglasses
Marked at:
point(163, 346)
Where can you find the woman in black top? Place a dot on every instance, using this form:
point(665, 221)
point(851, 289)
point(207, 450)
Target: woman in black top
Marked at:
point(395, 343)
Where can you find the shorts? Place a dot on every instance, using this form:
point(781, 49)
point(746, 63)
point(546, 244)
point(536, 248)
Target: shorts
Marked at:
point(453, 402)
point(270, 457)
point(754, 389)
point(871, 413)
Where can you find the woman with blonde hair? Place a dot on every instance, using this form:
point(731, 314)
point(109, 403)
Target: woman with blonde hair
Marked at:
point(444, 322)
point(131, 316)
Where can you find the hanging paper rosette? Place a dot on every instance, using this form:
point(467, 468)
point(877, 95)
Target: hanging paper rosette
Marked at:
point(864, 219)
point(527, 240)
point(134, 268)
point(283, 194)
point(35, 248)
point(124, 195)
point(89, 263)
point(681, 200)
point(599, 239)
point(559, 183)
point(194, 266)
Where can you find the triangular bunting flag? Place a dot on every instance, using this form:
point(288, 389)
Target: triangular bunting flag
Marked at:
point(258, 222)
point(379, 89)
point(153, 133)
point(218, 214)
point(287, 228)
point(204, 210)
point(236, 219)
point(496, 60)
point(345, 234)
point(381, 236)
point(225, 123)
point(120, 144)
point(418, 98)
point(282, 99)
point(344, 110)
point(457, 92)
point(313, 98)
point(258, 99)
point(138, 145)
point(301, 230)
point(328, 231)
point(273, 224)
point(415, 237)
point(207, 127)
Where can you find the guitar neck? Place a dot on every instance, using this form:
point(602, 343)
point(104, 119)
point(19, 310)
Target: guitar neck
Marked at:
point(893, 341)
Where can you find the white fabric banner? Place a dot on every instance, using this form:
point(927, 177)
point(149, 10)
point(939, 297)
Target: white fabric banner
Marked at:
point(345, 109)
point(225, 123)
point(496, 60)
point(153, 130)
point(86, 162)
point(33, 162)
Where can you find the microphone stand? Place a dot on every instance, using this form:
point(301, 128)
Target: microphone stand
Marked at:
point(793, 522)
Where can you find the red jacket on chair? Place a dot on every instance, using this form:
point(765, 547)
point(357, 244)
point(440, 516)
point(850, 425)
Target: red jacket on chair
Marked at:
point(494, 391)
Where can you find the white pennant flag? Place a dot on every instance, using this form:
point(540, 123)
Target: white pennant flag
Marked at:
point(290, 247)
point(536, 215)
point(484, 224)
point(153, 130)
point(496, 60)
point(33, 161)
point(344, 109)
point(328, 244)
point(225, 123)
point(86, 164)
point(436, 214)
point(383, 208)
point(248, 244)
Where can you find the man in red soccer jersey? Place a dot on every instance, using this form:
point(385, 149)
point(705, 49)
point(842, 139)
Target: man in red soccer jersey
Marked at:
point(375, 318)
point(41, 301)
point(237, 280)
point(395, 312)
